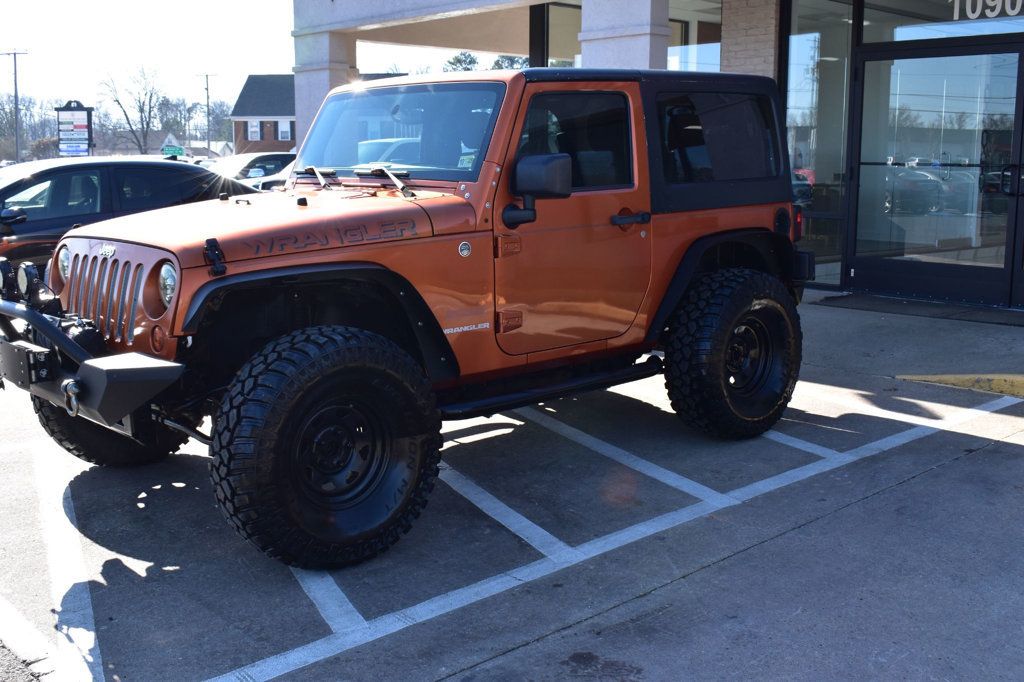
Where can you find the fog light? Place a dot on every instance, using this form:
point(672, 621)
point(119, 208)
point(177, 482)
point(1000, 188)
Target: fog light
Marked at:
point(28, 281)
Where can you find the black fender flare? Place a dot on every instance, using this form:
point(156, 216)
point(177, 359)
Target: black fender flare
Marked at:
point(439, 360)
point(776, 249)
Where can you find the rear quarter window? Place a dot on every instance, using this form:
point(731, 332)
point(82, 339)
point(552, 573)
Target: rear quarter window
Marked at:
point(717, 137)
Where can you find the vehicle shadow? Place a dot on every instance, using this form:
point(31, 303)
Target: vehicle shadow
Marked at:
point(186, 598)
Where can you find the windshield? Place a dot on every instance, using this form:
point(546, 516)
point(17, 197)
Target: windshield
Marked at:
point(436, 131)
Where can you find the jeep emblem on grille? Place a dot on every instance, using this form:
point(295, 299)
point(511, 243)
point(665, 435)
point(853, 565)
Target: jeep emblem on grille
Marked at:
point(107, 250)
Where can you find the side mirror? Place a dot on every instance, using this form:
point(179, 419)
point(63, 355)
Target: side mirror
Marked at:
point(10, 217)
point(542, 176)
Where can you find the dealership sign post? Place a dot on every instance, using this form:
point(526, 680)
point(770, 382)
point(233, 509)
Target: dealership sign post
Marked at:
point(74, 129)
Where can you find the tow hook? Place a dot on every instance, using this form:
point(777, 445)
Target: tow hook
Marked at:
point(71, 389)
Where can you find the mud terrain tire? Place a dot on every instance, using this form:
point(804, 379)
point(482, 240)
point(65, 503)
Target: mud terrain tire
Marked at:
point(103, 447)
point(732, 356)
point(326, 446)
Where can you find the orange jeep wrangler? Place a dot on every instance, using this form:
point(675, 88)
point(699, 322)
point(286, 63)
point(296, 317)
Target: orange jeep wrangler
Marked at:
point(449, 246)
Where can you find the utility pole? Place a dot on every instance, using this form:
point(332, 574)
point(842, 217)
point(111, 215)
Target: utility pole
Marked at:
point(208, 143)
point(17, 107)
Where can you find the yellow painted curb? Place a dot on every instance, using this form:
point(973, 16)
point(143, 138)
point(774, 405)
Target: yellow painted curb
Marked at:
point(1008, 384)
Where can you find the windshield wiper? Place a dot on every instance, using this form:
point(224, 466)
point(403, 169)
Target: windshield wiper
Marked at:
point(381, 171)
point(321, 175)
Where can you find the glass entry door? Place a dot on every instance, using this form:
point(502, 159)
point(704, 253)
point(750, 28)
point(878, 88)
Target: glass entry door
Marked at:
point(938, 176)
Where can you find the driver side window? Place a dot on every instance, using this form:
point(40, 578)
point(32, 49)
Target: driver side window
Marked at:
point(75, 193)
point(591, 127)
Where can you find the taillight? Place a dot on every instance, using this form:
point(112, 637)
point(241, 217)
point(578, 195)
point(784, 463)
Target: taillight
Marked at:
point(798, 223)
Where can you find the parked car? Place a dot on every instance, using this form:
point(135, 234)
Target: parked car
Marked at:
point(41, 200)
point(251, 165)
point(909, 190)
point(802, 189)
point(271, 181)
point(958, 189)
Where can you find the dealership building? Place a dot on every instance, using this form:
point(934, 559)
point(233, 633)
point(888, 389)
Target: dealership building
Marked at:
point(904, 117)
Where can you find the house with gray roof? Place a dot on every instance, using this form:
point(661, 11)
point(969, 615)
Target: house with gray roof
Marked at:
point(263, 119)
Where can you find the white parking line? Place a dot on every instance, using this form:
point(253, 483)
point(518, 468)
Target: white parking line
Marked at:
point(800, 444)
point(440, 605)
point(875, 448)
point(538, 538)
point(330, 600)
point(669, 478)
point(77, 654)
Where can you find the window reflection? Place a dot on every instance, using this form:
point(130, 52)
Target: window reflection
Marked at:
point(937, 136)
point(819, 49)
point(695, 41)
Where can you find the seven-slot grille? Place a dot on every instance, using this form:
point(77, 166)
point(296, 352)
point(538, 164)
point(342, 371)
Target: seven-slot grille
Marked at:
point(107, 291)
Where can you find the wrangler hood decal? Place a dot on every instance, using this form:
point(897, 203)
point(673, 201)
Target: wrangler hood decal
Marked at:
point(261, 225)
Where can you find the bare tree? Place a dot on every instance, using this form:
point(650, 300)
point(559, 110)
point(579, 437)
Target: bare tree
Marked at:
point(177, 116)
point(138, 105)
point(38, 121)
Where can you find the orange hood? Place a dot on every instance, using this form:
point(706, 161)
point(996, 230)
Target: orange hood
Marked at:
point(260, 225)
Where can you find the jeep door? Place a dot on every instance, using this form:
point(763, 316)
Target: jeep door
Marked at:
point(573, 275)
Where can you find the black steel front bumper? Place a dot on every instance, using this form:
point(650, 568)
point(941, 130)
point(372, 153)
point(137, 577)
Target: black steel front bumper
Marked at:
point(105, 390)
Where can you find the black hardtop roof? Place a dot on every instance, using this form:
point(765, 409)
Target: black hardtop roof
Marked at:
point(541, 75)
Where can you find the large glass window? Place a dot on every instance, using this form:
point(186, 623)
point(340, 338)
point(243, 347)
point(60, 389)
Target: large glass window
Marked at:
point(934, 157)
point(819, 54)
point(695, 41)
point(564, 25)
point(896, 20)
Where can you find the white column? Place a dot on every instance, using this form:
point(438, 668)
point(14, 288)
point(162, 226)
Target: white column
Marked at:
point(625, 34)
point(322, 61)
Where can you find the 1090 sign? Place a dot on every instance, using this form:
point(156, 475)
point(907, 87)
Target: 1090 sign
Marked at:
point(975, 9)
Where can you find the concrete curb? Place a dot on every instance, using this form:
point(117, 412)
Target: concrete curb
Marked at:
point(1007, 384)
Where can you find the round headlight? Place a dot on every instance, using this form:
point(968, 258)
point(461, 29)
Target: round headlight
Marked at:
point(63, 263)
point(168, 283)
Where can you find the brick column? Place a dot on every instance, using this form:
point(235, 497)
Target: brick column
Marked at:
point(322, 61)
point(750, 36)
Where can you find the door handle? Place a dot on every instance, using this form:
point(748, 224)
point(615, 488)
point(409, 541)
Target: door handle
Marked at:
point(631, 219)
point(1008, 180)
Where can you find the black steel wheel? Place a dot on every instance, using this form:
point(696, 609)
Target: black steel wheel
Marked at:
point(326, 446)
point(733, 353)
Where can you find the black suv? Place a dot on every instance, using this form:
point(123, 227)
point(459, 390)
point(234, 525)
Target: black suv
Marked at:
point(41, 200)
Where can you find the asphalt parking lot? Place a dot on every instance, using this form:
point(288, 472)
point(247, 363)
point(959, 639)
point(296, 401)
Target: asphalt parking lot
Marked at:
point(875, 532)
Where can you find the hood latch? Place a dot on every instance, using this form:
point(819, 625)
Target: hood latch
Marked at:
point(214, 257)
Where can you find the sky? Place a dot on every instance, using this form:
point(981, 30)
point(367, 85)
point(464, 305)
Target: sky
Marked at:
point(74, 46)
